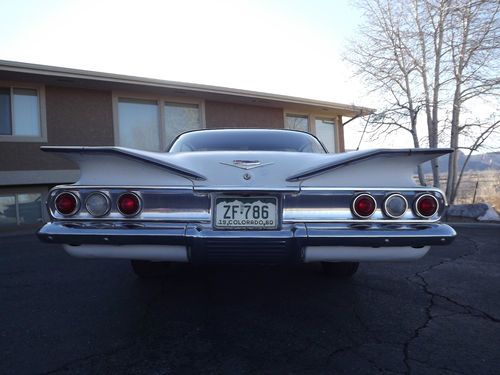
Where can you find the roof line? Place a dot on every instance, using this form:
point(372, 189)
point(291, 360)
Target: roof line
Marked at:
point(48, 70)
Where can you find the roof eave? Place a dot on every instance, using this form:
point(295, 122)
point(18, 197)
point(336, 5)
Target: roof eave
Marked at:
point(46, 70)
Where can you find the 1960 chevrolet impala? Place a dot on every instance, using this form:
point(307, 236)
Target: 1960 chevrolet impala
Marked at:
point(247, 195)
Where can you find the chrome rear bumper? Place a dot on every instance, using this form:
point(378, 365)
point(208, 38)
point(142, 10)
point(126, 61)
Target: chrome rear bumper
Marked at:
point(311, 234)
point(292, 243)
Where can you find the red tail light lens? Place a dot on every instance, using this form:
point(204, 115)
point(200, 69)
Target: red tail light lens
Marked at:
point(67, 204)
point(129, 204)
point(426, 205)
point(364, 205)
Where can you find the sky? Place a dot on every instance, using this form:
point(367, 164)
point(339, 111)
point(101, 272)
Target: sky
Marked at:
point(285, 47)
point(282, 47)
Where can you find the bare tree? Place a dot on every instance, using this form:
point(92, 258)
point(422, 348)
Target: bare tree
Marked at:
point(393, 120)
point(474, 42)
point(434, 55)
point(430, 19)
point(381, 58)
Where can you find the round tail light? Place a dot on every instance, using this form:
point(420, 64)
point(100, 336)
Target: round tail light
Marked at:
point(395, 206)
point(129, 204)
point(97, 204)
point(426, 205)
point(364, 205)
point(67, 204)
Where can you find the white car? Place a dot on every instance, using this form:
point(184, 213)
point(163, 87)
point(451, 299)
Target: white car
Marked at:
point(246, 196)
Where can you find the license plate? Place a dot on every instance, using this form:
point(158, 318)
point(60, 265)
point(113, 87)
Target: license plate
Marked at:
point(246, 212)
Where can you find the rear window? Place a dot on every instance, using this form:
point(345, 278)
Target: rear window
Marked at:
point(247, 140)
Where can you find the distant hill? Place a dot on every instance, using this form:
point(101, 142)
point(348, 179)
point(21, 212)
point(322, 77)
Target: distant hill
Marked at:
point(478, 162)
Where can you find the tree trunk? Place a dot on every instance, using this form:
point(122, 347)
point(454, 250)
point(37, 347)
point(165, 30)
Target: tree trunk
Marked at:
point(432, 132)
point(432, 118)
point(438, 46)
point(451, 182)
point(455, 189)
point(416, 143)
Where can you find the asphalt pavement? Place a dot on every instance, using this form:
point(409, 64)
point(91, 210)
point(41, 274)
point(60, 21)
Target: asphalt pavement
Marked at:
point(438, 315)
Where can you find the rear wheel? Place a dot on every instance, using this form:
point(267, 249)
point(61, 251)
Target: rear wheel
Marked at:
point(340, 270)
point(146, 269)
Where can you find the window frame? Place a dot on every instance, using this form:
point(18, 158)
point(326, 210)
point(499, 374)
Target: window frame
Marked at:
point(311, 124)
point(161, 100)
point(40, 90)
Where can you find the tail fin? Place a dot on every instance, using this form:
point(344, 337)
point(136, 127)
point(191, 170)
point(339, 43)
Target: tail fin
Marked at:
point(80, 154)
point(414, 156)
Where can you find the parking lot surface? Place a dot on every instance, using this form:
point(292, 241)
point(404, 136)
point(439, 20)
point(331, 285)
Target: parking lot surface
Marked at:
point(438, 315)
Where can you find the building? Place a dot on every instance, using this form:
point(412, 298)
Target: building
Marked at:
point(45, 105)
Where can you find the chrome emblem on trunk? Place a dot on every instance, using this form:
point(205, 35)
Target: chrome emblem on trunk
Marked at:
point(246, 164)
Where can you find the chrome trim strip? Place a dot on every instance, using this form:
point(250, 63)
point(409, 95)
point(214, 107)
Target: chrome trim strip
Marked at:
point(136, 187)
point(245, 167)
point(414, 188)
point(237, 189)
point(361, 221)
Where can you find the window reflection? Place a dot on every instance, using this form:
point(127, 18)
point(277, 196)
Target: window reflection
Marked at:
point(139, 124)
point(8, 214)
point(26, 113)
point(180, 118)
point(5, 117)
point(296, 122)
point(20, 209)
point(30, 208)
point(325, 131)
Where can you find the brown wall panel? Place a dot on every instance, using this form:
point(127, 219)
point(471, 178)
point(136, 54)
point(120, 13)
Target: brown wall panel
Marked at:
point(230, 115)
point(77, 117)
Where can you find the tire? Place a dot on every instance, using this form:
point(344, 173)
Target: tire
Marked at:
point(340, 270)
point(146, 269)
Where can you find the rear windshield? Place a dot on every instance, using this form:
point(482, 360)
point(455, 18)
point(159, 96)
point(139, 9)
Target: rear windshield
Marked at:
point(247, 140)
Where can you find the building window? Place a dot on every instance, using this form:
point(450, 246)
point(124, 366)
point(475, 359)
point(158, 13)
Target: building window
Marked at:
point(180, 118)
point(323, 128)
point(325, 131)
point(297, 122)
point(139, 124)
point(20, 115)
point(152, 124)
point(20, 209)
